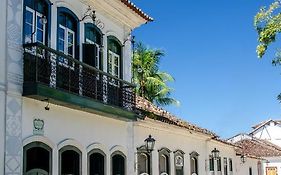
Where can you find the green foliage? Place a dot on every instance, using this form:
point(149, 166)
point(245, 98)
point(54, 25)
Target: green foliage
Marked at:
point(267, 23)
point(151, 82)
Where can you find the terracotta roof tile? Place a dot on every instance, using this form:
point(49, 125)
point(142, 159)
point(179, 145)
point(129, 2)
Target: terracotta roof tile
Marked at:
point(258, 148)
point(137, 10)
point(154, 112)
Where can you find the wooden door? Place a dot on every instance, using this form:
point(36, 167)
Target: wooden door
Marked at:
point(271, 170)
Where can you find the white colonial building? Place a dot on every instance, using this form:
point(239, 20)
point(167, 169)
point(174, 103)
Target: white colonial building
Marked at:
point(68, 107)
point(263, 141)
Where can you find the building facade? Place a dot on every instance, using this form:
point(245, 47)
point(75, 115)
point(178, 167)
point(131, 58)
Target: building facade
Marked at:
point(67, 104)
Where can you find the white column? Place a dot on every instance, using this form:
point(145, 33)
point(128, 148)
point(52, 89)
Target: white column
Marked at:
point(55, 162)
point(131, 150)
point(155, 162)
point(84, 163)
point(105, 53)
point(186, 167)
point(108, 165)
point(172, 163)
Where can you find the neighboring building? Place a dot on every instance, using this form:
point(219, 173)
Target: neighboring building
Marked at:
point(68, 107)
point(263, 142)
point(268, 130)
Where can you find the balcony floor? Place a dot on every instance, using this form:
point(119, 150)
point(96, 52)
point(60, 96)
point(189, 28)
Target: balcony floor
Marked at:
point(59, 97)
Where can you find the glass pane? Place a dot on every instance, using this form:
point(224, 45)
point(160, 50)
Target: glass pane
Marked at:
point(29, 17)
point(61, 45)
point(61, 33)
point(28, 33)
point(40, 36)
point(39, 23)
point(116, 71)
point(70, 44)
point(116, 60)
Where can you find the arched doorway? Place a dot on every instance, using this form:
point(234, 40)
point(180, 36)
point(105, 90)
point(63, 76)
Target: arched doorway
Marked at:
point(37, 159)
point(118, 164)
point(70, 161)
point(96, 161)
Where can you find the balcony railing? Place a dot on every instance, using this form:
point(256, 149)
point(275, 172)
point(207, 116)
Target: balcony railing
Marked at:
point(56, 70)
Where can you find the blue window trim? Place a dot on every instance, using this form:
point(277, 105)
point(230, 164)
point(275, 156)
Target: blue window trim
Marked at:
point(48, 30)
point(77, 32)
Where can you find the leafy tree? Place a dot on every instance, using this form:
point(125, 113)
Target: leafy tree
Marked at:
point(151, 82)
point(267, 23)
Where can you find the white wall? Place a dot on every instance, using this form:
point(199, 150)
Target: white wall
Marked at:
point(83, 129)
point(270, 132)
point(175, 138)
point(243, 168)
point(2, 130)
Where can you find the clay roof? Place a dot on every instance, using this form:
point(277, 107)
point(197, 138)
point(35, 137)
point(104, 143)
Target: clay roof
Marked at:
point(154, 112)
point(137, 10)
point(257, 148)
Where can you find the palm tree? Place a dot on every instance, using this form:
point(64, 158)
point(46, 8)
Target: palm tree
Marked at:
point(151, 83)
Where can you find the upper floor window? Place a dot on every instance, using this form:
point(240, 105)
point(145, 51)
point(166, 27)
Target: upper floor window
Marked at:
point(67, 36)
point(114, 57)
point(36, 14)
point(92, 51)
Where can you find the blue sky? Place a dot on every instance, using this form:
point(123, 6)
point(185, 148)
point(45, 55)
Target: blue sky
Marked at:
point(210, 51)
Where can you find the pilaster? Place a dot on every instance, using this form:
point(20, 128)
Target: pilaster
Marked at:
point(14, 77)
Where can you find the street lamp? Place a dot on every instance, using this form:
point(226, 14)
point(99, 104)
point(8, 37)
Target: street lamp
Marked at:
point(215, 153)
point(243, 158)
point(149, 143)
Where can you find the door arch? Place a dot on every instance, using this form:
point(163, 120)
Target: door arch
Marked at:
point(37, 159)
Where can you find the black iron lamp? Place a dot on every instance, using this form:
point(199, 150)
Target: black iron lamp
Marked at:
point(215, 153)
point(90, 13)
point(149, 143)
point(243, 158)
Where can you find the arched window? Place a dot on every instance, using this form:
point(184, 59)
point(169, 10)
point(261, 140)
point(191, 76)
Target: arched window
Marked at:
point(114, 58)
point(92, 52)
point(164, 161)
point(96, 162)
point(68, 32)
point(144, 161)
point(179, 162)
point(70, 161)
point(37, 159)
point(118, 164)
point(194, 163)
point(36, 17)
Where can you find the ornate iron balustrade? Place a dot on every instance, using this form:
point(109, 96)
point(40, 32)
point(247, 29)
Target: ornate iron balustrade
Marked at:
point(56, 70)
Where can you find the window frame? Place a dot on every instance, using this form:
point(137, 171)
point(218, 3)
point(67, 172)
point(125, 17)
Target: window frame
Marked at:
point(70, 148)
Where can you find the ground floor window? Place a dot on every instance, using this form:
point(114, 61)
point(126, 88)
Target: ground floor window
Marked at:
point(164, 161)
point(194, 163)
point(96, 163)
point(37, 159)
point(143, 163)
point(70, 161)
point(118, 164)
point(179, 162)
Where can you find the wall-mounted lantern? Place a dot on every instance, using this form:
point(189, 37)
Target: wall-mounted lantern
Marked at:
point(90, 13)
point(215, 153)
point(243, 158)
point(149, 143)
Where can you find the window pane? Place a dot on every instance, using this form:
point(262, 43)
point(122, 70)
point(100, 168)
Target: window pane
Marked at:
point(29, 17)
point(61, 33)
point(28, 33)
point(40, 36)
point(39, 22)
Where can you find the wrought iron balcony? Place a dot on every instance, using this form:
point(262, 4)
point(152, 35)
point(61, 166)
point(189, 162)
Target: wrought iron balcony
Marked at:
point(54, 70)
